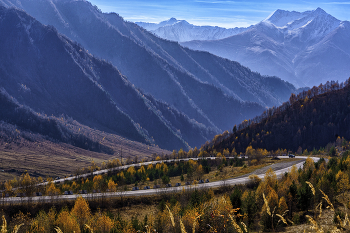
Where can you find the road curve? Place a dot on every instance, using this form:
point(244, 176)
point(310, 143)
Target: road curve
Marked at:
point(228, 182)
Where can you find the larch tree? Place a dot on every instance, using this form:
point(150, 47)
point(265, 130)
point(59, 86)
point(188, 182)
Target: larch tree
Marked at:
point(67, 222)
point(342, 182)
point(81, 211)
point(98, 182)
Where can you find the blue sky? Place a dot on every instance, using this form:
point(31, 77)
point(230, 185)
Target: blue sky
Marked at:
point(224, 13)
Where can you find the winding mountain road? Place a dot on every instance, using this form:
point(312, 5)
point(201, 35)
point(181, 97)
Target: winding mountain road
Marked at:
point(279, 168)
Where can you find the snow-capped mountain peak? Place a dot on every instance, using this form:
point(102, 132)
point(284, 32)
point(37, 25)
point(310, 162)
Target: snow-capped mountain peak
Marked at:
point(294, 20)
point(319, 11)
point(155, 26)
point(315, 24)
point(170, 21)
point(181, 30)
point(305, 48)
point(281, 18)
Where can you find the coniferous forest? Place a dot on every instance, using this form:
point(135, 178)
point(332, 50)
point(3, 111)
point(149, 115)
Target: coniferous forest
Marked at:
point(309, 120)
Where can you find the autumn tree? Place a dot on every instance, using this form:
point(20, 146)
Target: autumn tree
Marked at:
point(233, 152)
point(101, 223)
point(98, 182)
point(342, 182)
point(27, 184)
point(282, 205)
point(250, 153)
point(190, 154)
point(181, 154)
point(131, 170)
point(52, 190)
point(269, 183)
point(203, 154)
point(112, 186)
point(195, 152)
point(8, 187)
point(67, 222)
point(43, 222)
point(81, 211)
point(199, 171)
point(174, 154)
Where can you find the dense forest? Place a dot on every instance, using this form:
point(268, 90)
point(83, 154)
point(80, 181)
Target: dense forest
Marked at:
point(308, 120)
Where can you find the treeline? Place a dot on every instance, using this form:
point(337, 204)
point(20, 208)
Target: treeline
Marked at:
point(51, 128)
point(262, 205)
point(309, 120)
point(158, 174)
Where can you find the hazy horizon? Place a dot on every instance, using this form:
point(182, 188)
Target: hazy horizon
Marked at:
point(221, 13)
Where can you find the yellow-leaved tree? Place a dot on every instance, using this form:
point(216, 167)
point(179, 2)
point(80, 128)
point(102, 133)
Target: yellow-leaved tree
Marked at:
point(27, 183)
point(226, 152)
point(150, 167)
point(199, 171)
point(309, 164)
point(101, 223)
point(282, 205)
point(112, 186)
point(8, 187)
point(181, 154)
point(51, 189)
point(342, 182)
point(81, 211)
point(67, 222)
point(131, 170)
point(98, 182)
point(142, 170)
point(269, 183)
point(165, 168)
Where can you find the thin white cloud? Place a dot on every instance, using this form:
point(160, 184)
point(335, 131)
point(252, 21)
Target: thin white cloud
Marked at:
point(215, 2)
point(246, 10)
point(224, 13)
point(336, 3)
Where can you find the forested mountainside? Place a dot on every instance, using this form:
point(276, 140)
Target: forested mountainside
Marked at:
point(303, 48)
point(53, 75)
point(309, 120)
point(208, 89)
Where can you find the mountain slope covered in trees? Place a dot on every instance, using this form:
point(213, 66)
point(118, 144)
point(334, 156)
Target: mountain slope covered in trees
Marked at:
point(208, 89)
point(309, 120)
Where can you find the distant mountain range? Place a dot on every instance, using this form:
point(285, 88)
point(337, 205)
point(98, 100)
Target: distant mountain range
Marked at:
point(170, 96)
point(181, 30)
point(305, 48)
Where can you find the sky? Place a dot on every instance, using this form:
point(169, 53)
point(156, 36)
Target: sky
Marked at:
point(223, 13)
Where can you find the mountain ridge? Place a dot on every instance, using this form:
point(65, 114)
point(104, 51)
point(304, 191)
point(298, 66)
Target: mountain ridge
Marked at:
point(181, 30)
point(176, 75)
point(56, 76)
point(276, 49)
point(307, 121)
